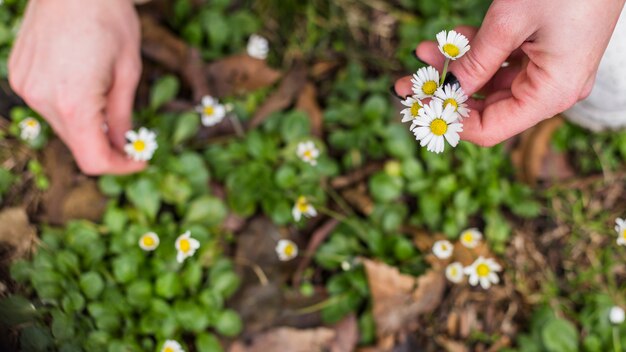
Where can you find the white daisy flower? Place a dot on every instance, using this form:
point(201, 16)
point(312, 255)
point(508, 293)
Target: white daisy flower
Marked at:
point(141, 144)
point(454, 272)
point(434, 123)
point(30, 129)
point(413, 107)
point(483, 271)
point(258, 47)
point(286, 250)
point(186, 246)
point(211, 110)
point(470, 238)
point(303, 207)
point(452, 44)
point(172, 346)
point(620, 228)
point(149, 241)
point(616, 315)
point(442, 249)
point(453, 95)
point(308, 152)
point(425, 82)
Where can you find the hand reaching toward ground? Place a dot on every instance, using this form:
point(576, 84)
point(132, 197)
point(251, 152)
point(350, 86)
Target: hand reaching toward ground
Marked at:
point(553, 49)
point(77, 63)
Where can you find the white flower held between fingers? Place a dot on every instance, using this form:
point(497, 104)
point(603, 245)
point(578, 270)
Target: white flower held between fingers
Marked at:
point(453, 95)
point(286, 250)
point(436, 123)
point(452, 44)
point(411, 112)
point(186, 246)
point(303, 207)
point(211, 110)
point(470, 238)
point(454, 272)
point(483, 271)
point(620, 228)
point(141, 145)
point(258, 47)
point(616, 315)
point(149, 241)
point(442, 249)
point(308, 152)
point(30, 129)
point(172, 346)
point(425, 82)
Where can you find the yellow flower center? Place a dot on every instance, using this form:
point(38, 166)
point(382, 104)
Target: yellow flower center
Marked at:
point(415, 109)
point(289, 250)
point(439, 127)
point(139, 145)
point(444, 247)
point(302, 204)
point(468, 237)
point(148, 241)
point(452, 102)
point(184, 245)
point(451, 50)
point(483, 270)
point(168, 349)
point(454, 271)
point(308, 154)
point(209, 110)
point(429, 87)
point(624, 234)
point(31, 123)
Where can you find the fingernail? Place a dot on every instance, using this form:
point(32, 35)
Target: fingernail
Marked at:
point(418, 59)
point(392, 89)
point(451, 79)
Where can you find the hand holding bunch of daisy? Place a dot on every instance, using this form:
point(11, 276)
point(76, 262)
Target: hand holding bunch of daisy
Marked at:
point(435, 109)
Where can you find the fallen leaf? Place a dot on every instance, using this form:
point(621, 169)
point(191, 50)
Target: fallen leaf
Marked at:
point(307, 102)
point(359, 198)
point(289, 339)
point(16, 232)
point(84, 201)
point(398, 299)
point(346, 335)
point(239, 74)
point(451, 345)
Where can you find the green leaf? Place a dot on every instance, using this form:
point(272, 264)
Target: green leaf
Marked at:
point(207, 342)
point(295, 125)
point(175, 189)
point(67, 262)
point(187, 126)
point(168, 286)
point(16, 310)
point(207, 210)
point(559, 335)
point(375, 108)
point(216, 28)
point(385, 188)
point(228, 323)
point(225, 283)
point(62, 326)
point(163, 91)
point(110, 185)
point(35, 339)
point(72, 302)
point(125, 268)
point(144, 195)
point(139, 293)
point(189, 316)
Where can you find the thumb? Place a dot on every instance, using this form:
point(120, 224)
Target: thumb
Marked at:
point(120, 99)
point(499, 35)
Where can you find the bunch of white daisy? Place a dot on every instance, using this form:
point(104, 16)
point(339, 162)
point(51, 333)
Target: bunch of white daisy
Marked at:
point(303, 207)
point(286, 250)
point(141, 145)
point(30, 128)
point(258, 47)
point(620, 228)
point(436, 110)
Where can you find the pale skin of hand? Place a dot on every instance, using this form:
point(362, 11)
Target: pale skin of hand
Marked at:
point(77, 63)
point(554, 48)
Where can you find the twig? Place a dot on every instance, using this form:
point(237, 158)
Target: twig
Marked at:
point(317, 239)
point(255, 267)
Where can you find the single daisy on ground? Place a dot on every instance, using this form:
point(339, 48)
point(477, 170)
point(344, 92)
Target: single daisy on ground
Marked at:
point(303, 207)
point(141, 144)
point(453, 95)
point(452, 44)
point(616, 315)
point(186, 246)
point(425, 82)
point(454, 272)
point(172, 346)
point(411, 112)
point(308, 152)
point(258, 47)
point(30, 129)
point(286, 250)
point(149, 241)
point(442, 249)
point(620, 228)
point(470, 238)
point(483, 271)
point(436, 123)
point(211, 110)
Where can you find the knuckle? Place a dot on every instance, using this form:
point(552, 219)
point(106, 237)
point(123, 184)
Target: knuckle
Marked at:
point(88, 167)
point(66, 105)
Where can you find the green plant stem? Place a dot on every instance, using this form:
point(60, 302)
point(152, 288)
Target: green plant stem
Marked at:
point(340, 217)
point(338, 199)
point(320, 305)
point(444, 72)
point(617, 344)
point(234, 119)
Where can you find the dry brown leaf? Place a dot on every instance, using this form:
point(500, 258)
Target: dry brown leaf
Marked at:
point(399, 299)
point(307, 102)
point(162, 46)
point(359, 198)
point(451, 345)
point(16, 231)
point(288, 339)
point(239, 74)
point(84, 201)
point(346, 335)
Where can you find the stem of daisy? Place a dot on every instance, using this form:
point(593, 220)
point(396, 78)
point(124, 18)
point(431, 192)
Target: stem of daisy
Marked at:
point(617, 344)
point(236, 124)
point(478, 96)
point(340, 217)
point(321, 305)
point(444, 72)
point(257, 269)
